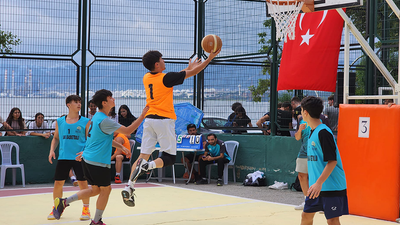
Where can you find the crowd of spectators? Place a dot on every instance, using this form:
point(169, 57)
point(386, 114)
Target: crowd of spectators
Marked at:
point(16, 125)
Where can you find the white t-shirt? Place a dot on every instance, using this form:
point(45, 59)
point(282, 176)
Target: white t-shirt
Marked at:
point(33, 125)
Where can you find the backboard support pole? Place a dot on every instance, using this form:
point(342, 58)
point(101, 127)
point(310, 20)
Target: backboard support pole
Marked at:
point(381, 67)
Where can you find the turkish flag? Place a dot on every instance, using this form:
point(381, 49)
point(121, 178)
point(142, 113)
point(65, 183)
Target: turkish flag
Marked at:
point(310, 61)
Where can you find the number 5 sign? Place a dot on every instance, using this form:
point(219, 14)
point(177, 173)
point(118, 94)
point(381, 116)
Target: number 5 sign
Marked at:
point(363, 127)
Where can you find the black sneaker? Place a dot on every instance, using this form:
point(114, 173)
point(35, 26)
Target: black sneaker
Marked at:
point(98, 223)
point(202, 181)
point(220, 182)
point(141, 168)
point(128, 198)
point(59, 206)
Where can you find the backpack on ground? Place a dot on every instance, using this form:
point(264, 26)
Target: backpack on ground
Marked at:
point(296, 185)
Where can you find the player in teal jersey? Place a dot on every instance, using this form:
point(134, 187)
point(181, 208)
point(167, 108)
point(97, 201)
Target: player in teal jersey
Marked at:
point(70, 137)
point(328, 190)
point(96, 157)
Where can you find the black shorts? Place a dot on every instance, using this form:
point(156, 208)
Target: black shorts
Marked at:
point(64, 166)
point(96, 175)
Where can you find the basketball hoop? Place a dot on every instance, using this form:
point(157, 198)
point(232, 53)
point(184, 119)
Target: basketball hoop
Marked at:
point(285, 13)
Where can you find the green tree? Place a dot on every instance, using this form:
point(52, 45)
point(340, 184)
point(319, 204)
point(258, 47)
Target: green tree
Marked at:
point(7, 41)
point(257, 91)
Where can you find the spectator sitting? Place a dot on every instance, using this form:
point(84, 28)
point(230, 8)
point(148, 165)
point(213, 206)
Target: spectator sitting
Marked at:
point(112, 115)
point(16, 122)
point(385, 101)
point(125, 117)
point(295, 102)
point(191, 129)
point(4, 126)
point(39, 123)
point(264, 122)
point(234, 106)
point(231, 117)
point(284, 119)
point(215, 152)
point(241, 120)
point(119, 156)
point(332, 113)
point(93, 109)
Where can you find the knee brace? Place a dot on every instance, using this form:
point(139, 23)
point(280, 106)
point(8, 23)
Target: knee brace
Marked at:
point(168, 159)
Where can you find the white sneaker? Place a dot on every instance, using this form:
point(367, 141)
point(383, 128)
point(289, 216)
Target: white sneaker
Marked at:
point(300, 207)
point(275, 185)
point(283, 186)
point(279, 185)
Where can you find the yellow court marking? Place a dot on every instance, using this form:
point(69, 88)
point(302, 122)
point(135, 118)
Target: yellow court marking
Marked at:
point(164, 205)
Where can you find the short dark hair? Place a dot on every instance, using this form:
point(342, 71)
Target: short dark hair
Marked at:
point(100, 96)
point(279, 105)
point(295, 99)
point(191, 126)
point(313, 105)
point(75, 98)
point(240, 109)
point(150, 58)
point(235, 105)
point(215, 136)
point(287, 104)
point(91, 102)
point(332, 97)
point(38, 114)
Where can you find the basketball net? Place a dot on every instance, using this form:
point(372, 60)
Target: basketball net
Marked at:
point(285, 14)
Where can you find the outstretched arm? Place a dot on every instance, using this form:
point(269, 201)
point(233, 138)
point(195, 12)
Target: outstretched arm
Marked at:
point(197, 66)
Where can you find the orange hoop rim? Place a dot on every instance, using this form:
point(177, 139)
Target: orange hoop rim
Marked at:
point(284, 2)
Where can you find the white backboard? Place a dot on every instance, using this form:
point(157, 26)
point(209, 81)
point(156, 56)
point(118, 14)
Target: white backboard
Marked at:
point(320, 5)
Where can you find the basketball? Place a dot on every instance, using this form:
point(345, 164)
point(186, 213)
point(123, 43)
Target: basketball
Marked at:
point(211, 43)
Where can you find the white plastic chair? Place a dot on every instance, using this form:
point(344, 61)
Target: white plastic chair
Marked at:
point(231, 148)
point(132, 144)
point(6, 148)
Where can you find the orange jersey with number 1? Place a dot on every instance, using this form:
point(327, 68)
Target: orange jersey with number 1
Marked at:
point(159, 98)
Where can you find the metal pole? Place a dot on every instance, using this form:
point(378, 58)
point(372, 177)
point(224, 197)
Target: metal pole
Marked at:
point(368, 50)
point(83, 60)
point(200, 35)
point(346, 64)
point(274, 80)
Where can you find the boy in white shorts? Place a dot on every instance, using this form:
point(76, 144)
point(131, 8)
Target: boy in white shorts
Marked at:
point(159, 124)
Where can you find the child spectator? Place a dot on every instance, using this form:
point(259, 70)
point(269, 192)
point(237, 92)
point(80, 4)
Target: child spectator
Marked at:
point(241, 120)
point(93, 109)
point(39, 123)
point(16, 122)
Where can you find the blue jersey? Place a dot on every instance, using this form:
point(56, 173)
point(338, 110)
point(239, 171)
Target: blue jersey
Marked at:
point(98, 147)
point(304, 140)
point(72, 137)
point(336, 180)
point(217, 149)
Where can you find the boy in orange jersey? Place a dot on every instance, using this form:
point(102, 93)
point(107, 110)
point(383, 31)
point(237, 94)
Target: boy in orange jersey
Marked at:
point(159, 124)
point(119, 156)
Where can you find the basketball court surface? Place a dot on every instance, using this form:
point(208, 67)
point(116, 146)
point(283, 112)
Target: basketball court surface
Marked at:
point(158, 204)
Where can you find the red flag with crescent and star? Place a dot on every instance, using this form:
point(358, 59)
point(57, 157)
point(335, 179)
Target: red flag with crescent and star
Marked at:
point(310, 61)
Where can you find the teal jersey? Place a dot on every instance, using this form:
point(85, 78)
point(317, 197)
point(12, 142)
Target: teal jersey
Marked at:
point(217, 149)
point(98, 147)
point(304, 140)
point(316, 164)
point(72, 137)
